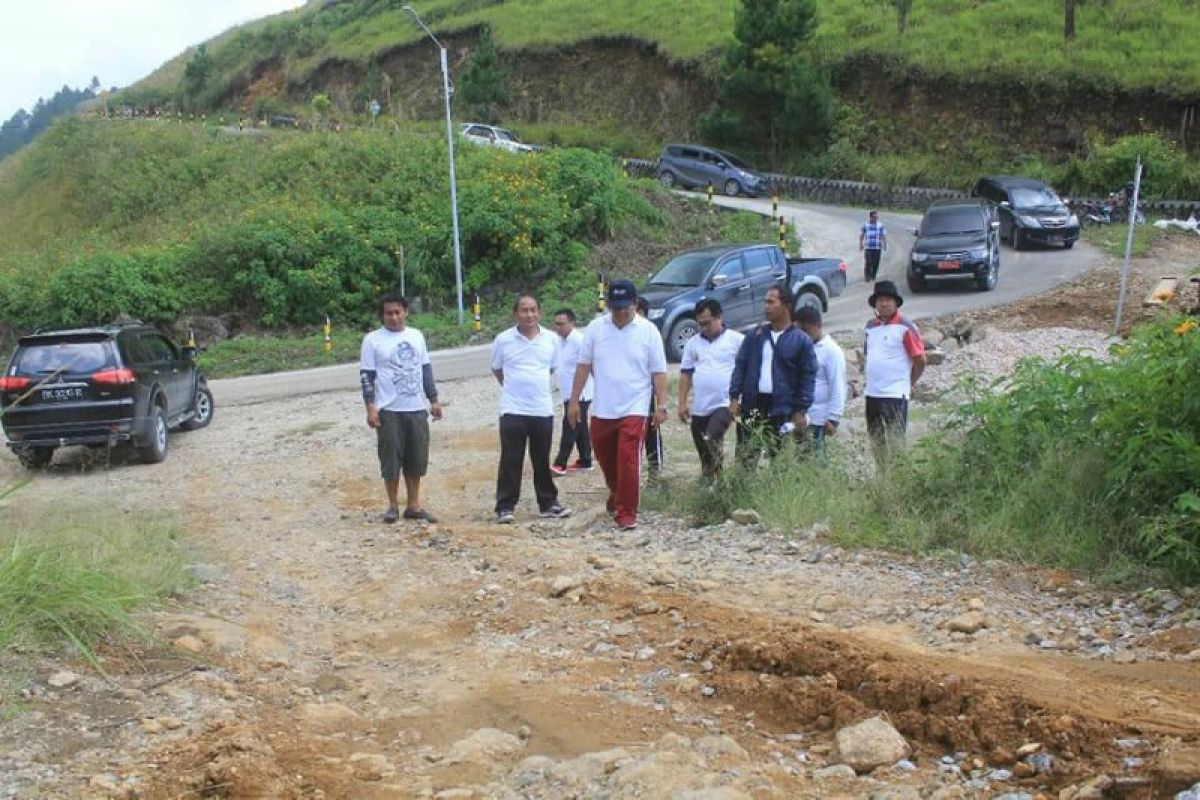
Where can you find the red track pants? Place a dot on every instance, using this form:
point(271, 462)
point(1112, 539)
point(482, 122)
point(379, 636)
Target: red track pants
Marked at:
point(617, 445)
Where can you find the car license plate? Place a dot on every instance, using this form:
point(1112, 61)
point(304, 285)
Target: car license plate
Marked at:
point(949, 265)
point(65, 393)
point(1054, 240)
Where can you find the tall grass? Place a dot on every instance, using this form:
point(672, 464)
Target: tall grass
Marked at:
point(75, 576)
point(1084, 463)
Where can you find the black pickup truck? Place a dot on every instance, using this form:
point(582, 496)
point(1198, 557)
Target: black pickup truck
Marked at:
point(737, 275)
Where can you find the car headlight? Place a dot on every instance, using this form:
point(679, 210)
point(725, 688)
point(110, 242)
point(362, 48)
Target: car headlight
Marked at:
point(979, 252)
point(920, 257)
point(1029, 222)
point(656, 313)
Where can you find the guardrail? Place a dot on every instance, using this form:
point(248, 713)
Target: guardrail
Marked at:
point(859, 193)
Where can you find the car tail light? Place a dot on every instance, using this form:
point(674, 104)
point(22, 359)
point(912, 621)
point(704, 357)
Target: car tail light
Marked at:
point(843, 267)
point(13, 383)
point(118, 376)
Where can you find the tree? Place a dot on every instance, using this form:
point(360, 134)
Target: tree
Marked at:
point(483, 85)
point(196, 73)
point(321, 105)
point(772, 96)
point(1069, 22)
point(902, 9)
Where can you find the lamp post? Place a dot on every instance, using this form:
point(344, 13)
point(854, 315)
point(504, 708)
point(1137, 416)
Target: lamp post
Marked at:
point(450, 147)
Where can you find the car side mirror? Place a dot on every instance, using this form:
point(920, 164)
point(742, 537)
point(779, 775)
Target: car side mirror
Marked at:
point(717, 281)
point(191, 352)
point(916, 231)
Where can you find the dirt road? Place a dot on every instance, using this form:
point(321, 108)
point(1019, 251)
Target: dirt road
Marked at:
point(323, 654)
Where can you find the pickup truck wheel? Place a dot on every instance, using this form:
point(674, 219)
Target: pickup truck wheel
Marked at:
point(666, 178)
point(203, 408)
point(155, 449)
point(811, 299)
point(732, 188)
point(681, 331)
point(916, 283)
point(34, 457)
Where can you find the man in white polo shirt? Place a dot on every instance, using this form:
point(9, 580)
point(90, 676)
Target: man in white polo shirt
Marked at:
point(624, 354)
point(829, 391)
point(895, 360)
point(522, 360)
point(706, 368)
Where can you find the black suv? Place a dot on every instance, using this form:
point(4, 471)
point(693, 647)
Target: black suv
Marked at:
point(1030, 212)
point(957, 239)
point(100, 387)
point(695, 167)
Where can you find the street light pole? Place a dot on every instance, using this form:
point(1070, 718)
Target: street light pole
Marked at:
point(458, 279)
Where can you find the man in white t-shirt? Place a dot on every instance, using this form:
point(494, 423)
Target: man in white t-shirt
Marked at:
point(829, 391)
point(705, 369)
point(397, 379)
point(522, 361)
point(895, 355)
point(624, 354)
point(573, 436)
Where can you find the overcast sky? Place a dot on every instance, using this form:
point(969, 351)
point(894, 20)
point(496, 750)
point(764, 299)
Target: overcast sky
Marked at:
point(47, 43)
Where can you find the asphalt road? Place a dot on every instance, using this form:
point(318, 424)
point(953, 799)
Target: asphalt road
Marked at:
point(824, 230)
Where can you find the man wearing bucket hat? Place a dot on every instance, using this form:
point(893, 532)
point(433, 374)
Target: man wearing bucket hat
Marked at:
point(624, 354)
point(895, 360)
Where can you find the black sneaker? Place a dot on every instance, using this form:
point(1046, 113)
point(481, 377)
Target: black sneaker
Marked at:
point(391, 516)
point(557, 511)
point(420, 515)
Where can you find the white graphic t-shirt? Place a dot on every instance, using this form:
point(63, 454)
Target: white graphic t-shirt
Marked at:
point(397, 358)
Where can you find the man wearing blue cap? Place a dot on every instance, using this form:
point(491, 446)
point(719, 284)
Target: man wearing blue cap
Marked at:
point(624, 355)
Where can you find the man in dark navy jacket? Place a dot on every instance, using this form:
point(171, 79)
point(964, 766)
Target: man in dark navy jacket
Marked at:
point(773, 378)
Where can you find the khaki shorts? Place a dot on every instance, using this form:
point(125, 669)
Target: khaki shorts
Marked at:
point(403, 438)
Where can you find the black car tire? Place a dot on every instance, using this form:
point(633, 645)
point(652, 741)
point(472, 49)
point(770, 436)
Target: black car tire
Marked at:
point(204, 409)
point(1068, 244)
point(681, 332)
point(666, 178)
point(732, 188)
point(155, 449)
point(1018, 239)
point(809, 298)
point(988, 280)
point(916, 283)
point(34, 457)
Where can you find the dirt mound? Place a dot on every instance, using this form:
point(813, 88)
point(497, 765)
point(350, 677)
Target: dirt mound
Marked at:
point(803, 677)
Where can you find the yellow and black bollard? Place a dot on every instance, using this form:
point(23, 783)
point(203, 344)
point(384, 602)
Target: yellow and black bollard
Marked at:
point(328, 335)
point(782, 233)
point(475, 311)
point(774, 204)
point(191, 339)
point(709, 189)
point(600, 287)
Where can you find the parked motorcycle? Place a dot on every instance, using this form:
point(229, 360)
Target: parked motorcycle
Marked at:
point(1114, 210)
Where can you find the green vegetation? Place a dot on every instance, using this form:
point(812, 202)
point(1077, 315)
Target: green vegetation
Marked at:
point(483, 85)
point(1083, 463)
point(771, 93)
point(1121, 45)
point(151, 218)
point(75, 576)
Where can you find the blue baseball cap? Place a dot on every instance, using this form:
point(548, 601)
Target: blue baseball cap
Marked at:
point(621, 294)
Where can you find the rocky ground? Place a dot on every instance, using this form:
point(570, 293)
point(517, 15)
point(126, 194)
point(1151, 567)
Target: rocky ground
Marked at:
point(321, 654)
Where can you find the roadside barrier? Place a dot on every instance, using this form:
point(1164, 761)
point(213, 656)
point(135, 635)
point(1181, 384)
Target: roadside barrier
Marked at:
point(859, 193)
point(475, 306)
point(328, 335)
point(600, 292)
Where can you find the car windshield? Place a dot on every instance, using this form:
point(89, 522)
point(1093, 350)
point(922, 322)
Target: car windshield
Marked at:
point(737, 162)
point(1034, 198)
point(508, 136)
point(944, 223)
point(72, 357)
point(688, 269)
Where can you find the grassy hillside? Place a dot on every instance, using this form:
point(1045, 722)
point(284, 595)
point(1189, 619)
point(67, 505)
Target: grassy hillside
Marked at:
point(1126, 45)
point(154, 218)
